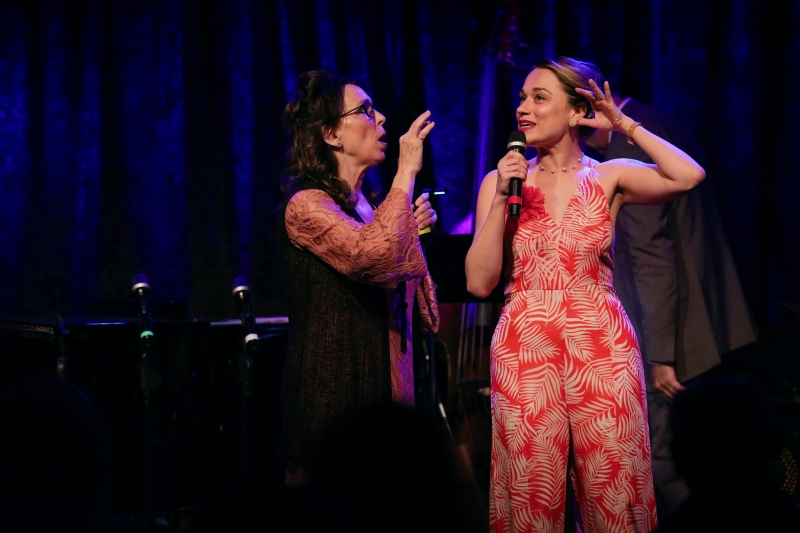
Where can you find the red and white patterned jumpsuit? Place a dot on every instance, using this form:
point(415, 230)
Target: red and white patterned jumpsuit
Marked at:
point(566, 371)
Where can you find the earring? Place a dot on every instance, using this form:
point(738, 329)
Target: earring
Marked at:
point(573, 123)
point(339, 145)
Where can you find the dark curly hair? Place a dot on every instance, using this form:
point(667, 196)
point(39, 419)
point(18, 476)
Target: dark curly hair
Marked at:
point(312, 164)
point(573, 74)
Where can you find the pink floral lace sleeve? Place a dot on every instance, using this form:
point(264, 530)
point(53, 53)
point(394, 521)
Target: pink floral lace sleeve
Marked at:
point(428, 308)
point(402, 368)
point(382, 253)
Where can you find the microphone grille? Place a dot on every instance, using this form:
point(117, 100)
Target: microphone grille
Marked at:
point(517, 136)
point(240, 284)
point(140, 280)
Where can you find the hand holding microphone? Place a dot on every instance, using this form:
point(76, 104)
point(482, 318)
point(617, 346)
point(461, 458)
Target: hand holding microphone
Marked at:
point(516, 143)
point(424, 214)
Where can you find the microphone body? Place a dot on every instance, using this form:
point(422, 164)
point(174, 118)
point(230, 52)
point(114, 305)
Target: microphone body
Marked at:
point(149, 378)
point(141, 288)
point(61, 360)
point(425, 233)
point(517, 143)
point(514, 197)
point(241, 291)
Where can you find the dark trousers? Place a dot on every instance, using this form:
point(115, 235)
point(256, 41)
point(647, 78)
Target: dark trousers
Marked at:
point(670, 489)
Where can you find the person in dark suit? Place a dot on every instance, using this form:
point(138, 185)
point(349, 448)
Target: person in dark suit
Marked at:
point(675, 276)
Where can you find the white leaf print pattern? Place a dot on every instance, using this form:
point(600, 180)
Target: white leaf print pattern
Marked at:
point(565, 365)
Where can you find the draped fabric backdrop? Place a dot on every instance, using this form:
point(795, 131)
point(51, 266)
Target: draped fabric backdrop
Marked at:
point(144, 136)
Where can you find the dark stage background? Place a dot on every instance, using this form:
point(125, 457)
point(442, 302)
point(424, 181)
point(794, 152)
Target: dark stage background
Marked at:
point(144, 136)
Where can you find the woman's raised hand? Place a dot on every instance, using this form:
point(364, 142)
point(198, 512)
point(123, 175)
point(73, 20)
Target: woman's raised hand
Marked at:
point(410, 159)
point(512, 165)
point(607, 115)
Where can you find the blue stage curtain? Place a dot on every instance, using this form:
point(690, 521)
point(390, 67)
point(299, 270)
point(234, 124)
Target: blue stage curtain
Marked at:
point(144, 136)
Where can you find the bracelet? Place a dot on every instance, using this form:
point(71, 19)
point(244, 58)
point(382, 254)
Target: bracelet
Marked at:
point(630, 131)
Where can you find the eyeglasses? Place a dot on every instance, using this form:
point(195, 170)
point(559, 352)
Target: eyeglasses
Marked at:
point(364, 107)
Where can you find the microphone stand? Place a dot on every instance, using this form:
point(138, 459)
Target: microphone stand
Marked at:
point(425, 369)
point(61, 359)
point(245, 367)
point(149, 380)
point(426, 392)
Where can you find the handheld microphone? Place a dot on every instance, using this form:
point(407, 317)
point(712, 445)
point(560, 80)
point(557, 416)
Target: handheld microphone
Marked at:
point(439, 191)
point(516, 142)
point(241, 291)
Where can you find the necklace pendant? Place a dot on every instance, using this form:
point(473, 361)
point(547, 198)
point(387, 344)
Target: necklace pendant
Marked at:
point(552, 171)
point(565, 169)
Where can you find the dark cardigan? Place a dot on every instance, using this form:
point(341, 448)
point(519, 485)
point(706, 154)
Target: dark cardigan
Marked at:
point(338, 354)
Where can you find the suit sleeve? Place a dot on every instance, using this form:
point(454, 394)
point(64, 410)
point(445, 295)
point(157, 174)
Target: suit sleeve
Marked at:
point(383, 253)
point(643, 235)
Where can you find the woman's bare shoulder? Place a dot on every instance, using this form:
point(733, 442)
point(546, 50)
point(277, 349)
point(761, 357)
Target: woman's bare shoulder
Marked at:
point(617, 165)
point(489, 179)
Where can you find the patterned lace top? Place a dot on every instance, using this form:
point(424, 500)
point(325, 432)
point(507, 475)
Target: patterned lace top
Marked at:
point(543, 255)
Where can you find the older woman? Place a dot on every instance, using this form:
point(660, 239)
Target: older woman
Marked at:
point(353, 271)
point(566, 371)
